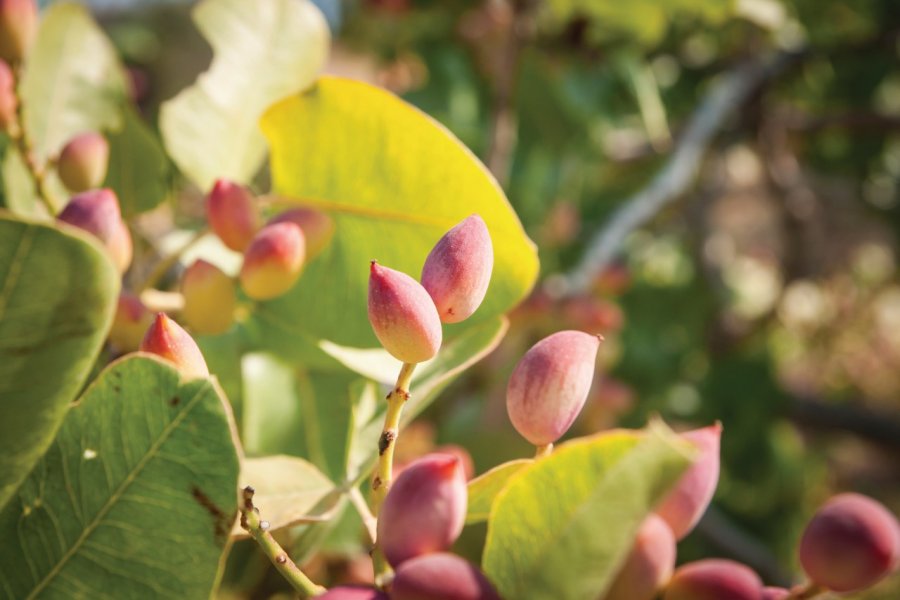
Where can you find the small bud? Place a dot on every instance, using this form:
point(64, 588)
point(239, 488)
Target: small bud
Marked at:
point(209, 299)
point(317, 227)
point(403, 315)
point(7, 98)
point(130, 323)
point(850, 543)
point(458, 269)
point(82, 162)
point(352, 592)
point(550, 384)
point(687, 501)
point(714, 579)
point(649, 564)
point(97, 212)
point(273, 261)
point(167, 339)
point(441, 576)
point(18, 24)
point(775, 593)
point(425, 509)
point(232, 214)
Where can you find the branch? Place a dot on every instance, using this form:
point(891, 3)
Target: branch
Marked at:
point(881, 427)
point(725, 96)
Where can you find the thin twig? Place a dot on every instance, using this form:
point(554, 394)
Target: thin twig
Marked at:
point(24, 146)
point(259, 531)
point(670, 183)
point(369, 519)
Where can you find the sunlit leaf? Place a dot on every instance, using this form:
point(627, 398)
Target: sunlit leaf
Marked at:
point(484, 489)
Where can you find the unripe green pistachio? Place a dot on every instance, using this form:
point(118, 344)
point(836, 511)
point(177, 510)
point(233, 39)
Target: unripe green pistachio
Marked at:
point(441, 576)
point(458, 269)
point(167, 339)
point(850, 544)
point(209, 299)
point(403, 315)
point(232, 214)
point(18, 24)
point(649, 564)
point(273, 261)
point(687, 501)
point(83, 161)
point(714, 579)
point(548, 387)
point(424, 510)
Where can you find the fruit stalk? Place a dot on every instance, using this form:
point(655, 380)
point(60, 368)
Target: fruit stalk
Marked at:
point(381, 481)
point(21, 139)
point(259, 531)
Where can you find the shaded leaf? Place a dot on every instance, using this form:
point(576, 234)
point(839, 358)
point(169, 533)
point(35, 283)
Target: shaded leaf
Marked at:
point(135, 498)
point(394, 181)
point(561, 528)
point(58, 293)
point(263, 51)
point(138, 167)
point(484, 488)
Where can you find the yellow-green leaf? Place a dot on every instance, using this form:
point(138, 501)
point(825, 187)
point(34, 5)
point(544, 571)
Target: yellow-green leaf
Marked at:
point(485, 488)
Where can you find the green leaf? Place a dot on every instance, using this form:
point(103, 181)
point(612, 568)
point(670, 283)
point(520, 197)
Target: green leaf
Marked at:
point(138, 167)
point(73, 82)
point(483, 489)
point(58, 294)
point(288, 491)
point(429, 379)
point(135, 498)
point(394, 181)
point(562, 526)
point(263, 51)
point(19, 194)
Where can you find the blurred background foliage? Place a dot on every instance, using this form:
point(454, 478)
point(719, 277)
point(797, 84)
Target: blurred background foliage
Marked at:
point(765, 294)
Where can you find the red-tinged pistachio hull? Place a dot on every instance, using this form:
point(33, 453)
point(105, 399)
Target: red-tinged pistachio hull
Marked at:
point(349, 592)
point(317, 227)
point(121, 247)
point(458, 270)
point(273, 261)
point(130, 323)
point(687, 501)
point(209, 299)
point(850, 544)
point(775, 593)
point(167, 339)
point(649, 564)
point(402, 315)
point(548, 387)
point(714, 579)
point(425, 509)
point(7, 98)
point(97, 212)
point(441, 576)
point(18, 25)
point(232, 214)
point(83, 161)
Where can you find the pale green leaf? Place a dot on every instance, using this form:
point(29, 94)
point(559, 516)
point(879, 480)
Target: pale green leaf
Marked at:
point(394, 181)
point(135, 498)
point(288, 491)
point(263, 51)
point(73, 82)
point(484, 488)
point(561, 528)
point(58, 294)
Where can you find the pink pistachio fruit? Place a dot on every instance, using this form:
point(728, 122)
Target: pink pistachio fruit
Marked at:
point(714, 579)
point(209, 299)
point(687, 501)
point(232, 214)
point(548, 387)
point(167, 339)
point(317, 227)
point(18, 25)
point(403, 315)
point(83, 161)
point(441, 576)
point(458, 269)
point(273, 261)
point(97, 212)
point(424, 510)
point(649, 564)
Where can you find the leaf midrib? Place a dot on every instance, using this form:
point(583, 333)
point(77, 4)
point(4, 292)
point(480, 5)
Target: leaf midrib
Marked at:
point(118, 493)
